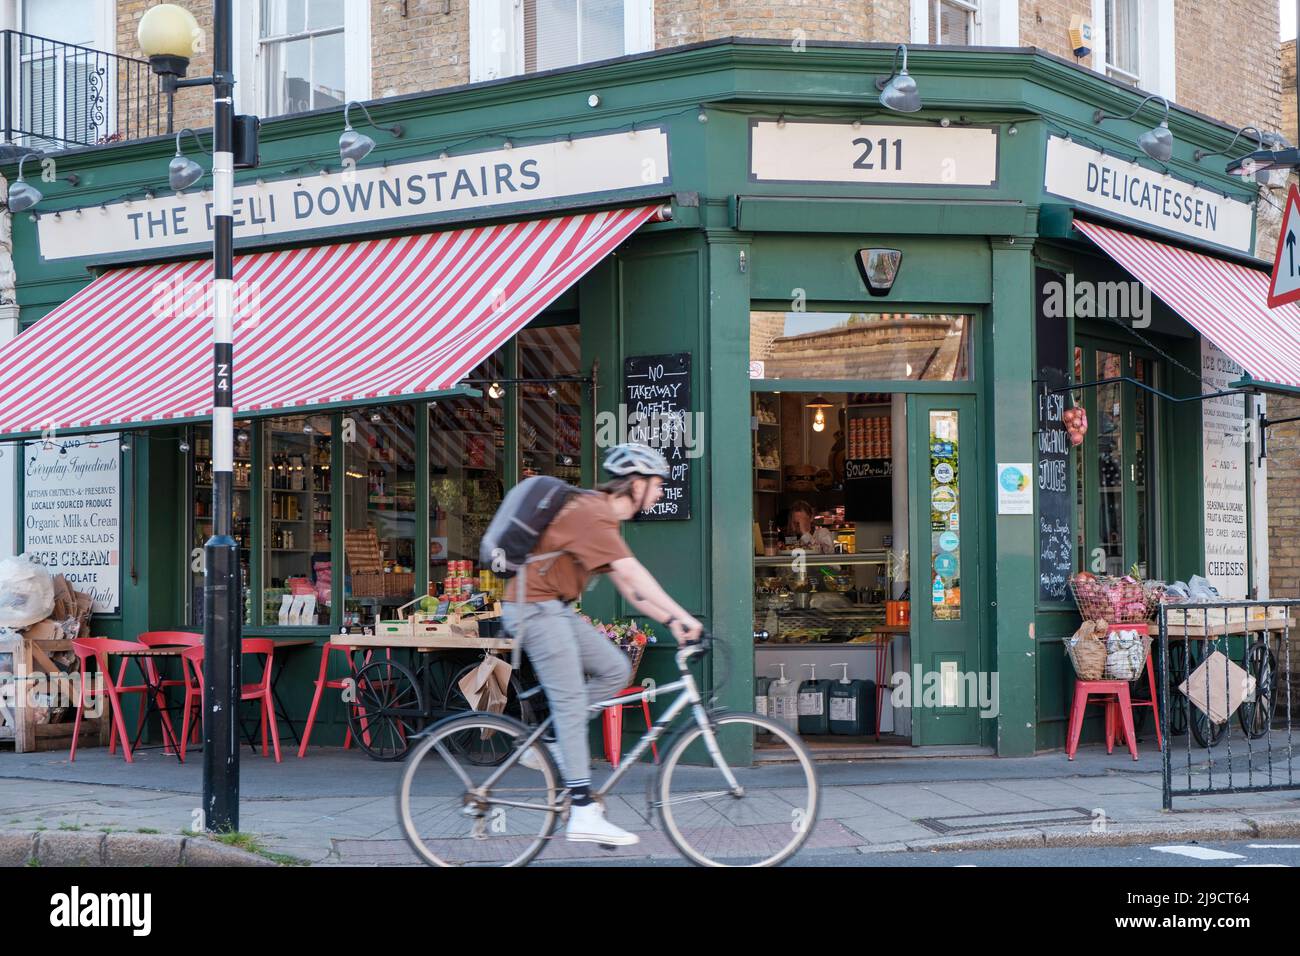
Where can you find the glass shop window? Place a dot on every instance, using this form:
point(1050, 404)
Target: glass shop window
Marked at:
point(467, 442)
point(550, 412)
point(379, 511)
point(200, 470)
point(297, 488)
point(886, 346)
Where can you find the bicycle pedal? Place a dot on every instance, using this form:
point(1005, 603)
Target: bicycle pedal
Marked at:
point(607, 846)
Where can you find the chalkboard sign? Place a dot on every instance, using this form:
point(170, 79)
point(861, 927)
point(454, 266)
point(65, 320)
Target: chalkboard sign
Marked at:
point(657, 395)
point(1055, 537)
point(868, 489)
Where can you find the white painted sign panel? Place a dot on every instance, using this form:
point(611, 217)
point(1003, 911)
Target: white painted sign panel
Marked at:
point(71, 513)
point(1015, 490)
point(887, 154)
point(584, 166)
point(1131, 191)
point(1224, 457)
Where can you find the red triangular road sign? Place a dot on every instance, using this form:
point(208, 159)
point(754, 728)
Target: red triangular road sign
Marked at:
point(1285, 284)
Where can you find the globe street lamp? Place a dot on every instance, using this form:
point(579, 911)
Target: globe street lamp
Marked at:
point(168, 36)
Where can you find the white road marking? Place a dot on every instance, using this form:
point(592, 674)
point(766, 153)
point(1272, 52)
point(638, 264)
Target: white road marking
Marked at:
point(1198, 852)
point(1283, 865)
point(1275, 846)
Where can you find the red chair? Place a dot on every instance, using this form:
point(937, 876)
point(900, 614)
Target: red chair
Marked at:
point(613, 721)
point(261, 690)
point(99, 648)
point(171, 639)
point(322, 683)
point(1114, 695)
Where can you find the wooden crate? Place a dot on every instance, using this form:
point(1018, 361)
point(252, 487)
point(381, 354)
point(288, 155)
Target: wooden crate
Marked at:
point(30, 657)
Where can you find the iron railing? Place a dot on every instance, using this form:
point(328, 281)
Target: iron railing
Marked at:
point(1253, 749)
point(59, 95)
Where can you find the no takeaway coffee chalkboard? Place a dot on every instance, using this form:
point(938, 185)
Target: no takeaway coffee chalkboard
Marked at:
point(657, 395)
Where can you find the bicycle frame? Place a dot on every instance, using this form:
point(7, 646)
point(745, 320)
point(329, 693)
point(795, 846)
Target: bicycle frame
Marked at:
point(690, 697)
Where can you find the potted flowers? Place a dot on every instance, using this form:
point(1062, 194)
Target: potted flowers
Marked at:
point(627, 635)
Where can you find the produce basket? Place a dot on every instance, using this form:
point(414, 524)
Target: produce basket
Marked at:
point(1087, 650)
point(1127, 649)
point(1123, 600)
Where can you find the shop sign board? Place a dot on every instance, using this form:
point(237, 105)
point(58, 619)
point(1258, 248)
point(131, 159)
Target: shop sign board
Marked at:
point(1223, 432)
point(1120, 187)
point(657, 398)
point(71, 513)
point(582, 166)
point(891, 154)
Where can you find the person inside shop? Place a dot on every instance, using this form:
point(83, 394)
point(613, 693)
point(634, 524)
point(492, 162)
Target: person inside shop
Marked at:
point(576, 664)
point(800, 532)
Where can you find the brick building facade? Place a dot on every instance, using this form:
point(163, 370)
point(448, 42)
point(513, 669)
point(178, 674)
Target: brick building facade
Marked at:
point(425, 44)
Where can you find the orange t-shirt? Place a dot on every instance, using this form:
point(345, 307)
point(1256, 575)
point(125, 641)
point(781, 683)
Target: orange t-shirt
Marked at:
point(587, 532)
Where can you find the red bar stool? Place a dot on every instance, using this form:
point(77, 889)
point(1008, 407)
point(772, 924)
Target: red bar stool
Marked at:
point(1113, 695)
point(613, 726)
point(1153, 703)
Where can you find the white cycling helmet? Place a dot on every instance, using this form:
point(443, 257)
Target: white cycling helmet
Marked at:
point(632, 458)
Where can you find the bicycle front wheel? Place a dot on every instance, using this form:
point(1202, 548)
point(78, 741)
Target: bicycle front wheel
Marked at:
point(761, 821)
point(452, 817)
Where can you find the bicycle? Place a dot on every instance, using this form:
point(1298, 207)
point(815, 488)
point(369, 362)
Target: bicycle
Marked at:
point(509, 814)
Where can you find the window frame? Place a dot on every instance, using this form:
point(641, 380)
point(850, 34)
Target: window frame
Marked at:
point(997, 22)
point(496, 36)
point(250, 88)
point(1157, 71)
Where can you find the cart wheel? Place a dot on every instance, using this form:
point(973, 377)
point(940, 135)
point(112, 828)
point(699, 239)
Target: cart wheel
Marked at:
point(388, 710)
point(1177, 702)
point(1256, 712)
point(471, 744)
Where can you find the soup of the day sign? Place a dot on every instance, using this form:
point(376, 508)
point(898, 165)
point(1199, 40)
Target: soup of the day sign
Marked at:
point(71, 518)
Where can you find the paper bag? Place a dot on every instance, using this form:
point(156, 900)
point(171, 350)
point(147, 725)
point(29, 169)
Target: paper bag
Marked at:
point(1218, 687)
point(485, 687)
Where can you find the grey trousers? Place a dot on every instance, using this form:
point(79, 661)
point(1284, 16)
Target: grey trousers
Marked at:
point(576, 665)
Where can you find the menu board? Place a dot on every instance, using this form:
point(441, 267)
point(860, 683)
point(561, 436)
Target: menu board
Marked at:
point(1055, 538)
point(657, 396)
point(71, 505)
point(868, 489)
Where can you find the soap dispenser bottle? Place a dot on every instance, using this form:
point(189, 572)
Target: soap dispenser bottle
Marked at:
point(783, 702)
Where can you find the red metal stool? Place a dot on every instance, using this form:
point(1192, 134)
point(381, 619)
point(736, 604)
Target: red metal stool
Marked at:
point(613, 721)
point(1151, 683)
point(1113, 694)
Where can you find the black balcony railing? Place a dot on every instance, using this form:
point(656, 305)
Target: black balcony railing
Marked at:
point(58, 95)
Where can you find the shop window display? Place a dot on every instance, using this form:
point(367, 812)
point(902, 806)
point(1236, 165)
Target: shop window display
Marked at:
point(298, 514)
point(887, 346)
point(467, 441)
point(379, 458)
point(200, 469)
point(550, 413)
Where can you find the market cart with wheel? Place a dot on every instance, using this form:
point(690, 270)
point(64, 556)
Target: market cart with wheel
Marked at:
point(418, 679)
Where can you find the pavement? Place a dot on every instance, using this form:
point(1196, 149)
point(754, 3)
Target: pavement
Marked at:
point(338, 807)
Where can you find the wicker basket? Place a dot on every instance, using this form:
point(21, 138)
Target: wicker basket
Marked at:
point(634, 652)
point(379, 584)
point(1087, 650)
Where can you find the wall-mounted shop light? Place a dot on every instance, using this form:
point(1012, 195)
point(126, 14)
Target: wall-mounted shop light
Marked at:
point(1158, 143)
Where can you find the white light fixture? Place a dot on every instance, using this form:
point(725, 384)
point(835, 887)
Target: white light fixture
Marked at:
point(1158, 142)
point(495, 390)
point(22, 194)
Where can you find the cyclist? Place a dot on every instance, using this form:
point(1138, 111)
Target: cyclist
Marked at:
point(563, 648)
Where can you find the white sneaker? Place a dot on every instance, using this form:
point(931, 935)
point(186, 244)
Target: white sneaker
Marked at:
point(532, 761)
point(588, 825)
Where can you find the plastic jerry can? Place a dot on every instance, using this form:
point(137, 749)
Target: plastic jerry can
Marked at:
point(761, 686)
point(783, 702)
point(814, 710)
point(851, 705)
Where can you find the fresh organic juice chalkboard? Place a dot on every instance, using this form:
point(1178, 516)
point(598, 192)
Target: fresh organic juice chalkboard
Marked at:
point(1055, 539)
point(657, 393)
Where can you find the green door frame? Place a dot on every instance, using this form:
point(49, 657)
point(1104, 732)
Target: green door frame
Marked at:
point(1130, 396)
point(938, 644)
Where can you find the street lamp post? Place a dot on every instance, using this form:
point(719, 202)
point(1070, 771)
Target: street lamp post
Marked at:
point(166, 35)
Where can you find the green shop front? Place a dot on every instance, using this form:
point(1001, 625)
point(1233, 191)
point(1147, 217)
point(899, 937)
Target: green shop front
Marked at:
point(838, 315)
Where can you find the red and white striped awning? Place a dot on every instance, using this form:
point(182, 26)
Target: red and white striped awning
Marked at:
point(319, 326)
point(1225, 301)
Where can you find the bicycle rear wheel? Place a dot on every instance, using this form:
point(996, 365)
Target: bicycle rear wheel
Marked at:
point(450, 819)
point(762, 822)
